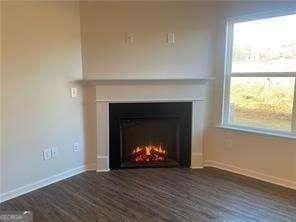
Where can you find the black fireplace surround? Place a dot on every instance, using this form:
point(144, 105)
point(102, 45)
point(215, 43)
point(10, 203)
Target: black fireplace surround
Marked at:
point(149, 134)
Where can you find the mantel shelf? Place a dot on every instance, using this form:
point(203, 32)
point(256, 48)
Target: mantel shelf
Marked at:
point(148, 78)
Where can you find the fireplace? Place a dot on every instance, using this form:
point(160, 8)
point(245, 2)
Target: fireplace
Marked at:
point(149, 134)
point(149, 141)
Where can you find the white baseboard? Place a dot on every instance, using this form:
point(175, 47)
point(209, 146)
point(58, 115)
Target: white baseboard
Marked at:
point(103, 163)
point(250, 173)
point(72, 172)
point(104, 170)
point(45, 182)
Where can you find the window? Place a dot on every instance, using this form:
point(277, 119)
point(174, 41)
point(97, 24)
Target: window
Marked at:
point(260, 73)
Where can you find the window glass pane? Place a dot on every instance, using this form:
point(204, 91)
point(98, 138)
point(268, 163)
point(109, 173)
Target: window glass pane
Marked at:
point(264, 102)
point(265, 45)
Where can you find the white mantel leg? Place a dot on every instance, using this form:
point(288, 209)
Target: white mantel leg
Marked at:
point(198, 117)
point(102, 136)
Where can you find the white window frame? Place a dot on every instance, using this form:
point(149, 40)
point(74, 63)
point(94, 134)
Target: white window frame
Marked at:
point(225, 119)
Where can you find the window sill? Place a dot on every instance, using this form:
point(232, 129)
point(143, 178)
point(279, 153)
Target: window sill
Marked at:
point(258, 131)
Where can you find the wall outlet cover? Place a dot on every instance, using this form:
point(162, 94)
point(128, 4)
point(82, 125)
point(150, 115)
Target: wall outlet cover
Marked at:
point(130, 38)
point(47, 154)
point(74, 92)
point(54, 152)
point(171, 38)
point(75, 147)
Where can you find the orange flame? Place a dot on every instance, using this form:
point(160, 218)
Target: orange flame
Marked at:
point(148, 153)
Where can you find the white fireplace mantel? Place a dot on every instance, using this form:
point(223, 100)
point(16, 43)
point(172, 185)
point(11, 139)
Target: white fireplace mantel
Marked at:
point(147, 92)
point(94, 77)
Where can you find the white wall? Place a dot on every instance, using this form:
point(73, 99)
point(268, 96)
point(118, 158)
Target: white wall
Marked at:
point(41, 60)
point(273, 157)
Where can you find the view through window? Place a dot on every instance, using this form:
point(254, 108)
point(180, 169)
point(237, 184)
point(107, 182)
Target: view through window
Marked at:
point(261, 74)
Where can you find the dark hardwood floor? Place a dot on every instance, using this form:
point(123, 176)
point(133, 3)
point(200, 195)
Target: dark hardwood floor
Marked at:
point(165, 194)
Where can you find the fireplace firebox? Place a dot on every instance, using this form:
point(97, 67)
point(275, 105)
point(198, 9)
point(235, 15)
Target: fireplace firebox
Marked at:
point(149, 134)
point(149, 141)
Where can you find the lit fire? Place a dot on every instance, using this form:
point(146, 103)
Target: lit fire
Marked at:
point(148, 153)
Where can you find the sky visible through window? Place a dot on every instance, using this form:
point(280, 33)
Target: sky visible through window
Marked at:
point(266, 45)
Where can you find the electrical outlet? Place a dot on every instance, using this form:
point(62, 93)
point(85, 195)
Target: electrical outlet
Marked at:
point(171, 38)
point(74, 92)
point(75, 147)
point(54, 152)
point(47, 154)
point(228, 143)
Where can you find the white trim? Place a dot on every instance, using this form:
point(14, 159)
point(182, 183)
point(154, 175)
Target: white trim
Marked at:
point(263, 74)
point(197, 133)
point(165, 100)
point(227, 71)
point(45, 182)
point(196, 167)
point(196, 161)
point(99, 157)
point(103, 163)
point(225, 122)
point(103, 170)
point(251, 173)
point(145, 76)
point(262, 15)
point(150, 92)
point(102, 109)
point(259, 131)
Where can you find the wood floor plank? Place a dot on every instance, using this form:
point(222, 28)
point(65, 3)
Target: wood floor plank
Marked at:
point(164, 194)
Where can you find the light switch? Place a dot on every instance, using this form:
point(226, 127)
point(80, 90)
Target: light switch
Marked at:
point(171, 38)
point(130, 38)
point(74, 92)
point(75, 147)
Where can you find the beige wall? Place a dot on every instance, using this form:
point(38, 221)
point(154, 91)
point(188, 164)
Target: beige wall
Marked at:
point(106, 55)
point(271, 156)
point(41, 59)
point(105, 24)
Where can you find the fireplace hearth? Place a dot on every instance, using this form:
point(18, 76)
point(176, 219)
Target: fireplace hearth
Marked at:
point(149, 134)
